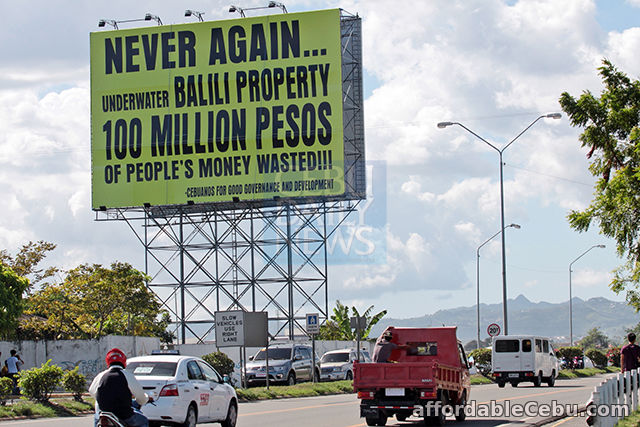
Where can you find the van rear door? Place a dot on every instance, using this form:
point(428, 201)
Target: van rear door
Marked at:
point(506, 355)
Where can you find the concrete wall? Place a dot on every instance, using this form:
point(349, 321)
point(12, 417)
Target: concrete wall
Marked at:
point(87, 354)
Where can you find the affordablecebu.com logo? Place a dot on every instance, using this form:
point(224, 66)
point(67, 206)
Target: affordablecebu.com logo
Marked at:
point(494, 409)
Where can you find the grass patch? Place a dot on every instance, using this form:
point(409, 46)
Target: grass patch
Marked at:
point(55, 408)
point(631, 421)
point(480, 379)
point(298, 390)
point(587, 372)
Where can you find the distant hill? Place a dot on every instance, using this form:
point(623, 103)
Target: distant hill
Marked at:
point(526, 317)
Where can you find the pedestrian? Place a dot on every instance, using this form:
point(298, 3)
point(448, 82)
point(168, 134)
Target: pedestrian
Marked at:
point(14, 364)
point(630, 354)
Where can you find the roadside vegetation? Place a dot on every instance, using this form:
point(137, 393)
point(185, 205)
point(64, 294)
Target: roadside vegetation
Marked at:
point(298, 390)
point(587, 372)
point(57, 407)
point(632, 420)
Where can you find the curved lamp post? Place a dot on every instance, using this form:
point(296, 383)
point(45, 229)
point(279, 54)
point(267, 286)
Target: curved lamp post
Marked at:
point(443, 125)
point(517, 227)
point(570, 296)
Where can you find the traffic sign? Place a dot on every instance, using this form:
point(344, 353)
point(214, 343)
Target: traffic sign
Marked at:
point(313, 323)
point(493, 329)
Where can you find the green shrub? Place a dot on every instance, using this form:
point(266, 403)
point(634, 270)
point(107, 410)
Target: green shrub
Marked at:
point(482, 360)
point(38, 383)
point(569, 352)
point(6, 387)
point(75, 383)
point(220, 362)
point(598, 357)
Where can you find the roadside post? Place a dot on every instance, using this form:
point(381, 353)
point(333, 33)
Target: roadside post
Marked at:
point(313, 327)
point(358, 323)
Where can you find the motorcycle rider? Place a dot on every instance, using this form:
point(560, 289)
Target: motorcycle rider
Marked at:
point(114, 389)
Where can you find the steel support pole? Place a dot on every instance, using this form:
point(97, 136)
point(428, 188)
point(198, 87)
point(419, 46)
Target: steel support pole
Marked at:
point(182, 302)
point(478, 296)
point(504, 256)
point(290, 273)
point(570, 310)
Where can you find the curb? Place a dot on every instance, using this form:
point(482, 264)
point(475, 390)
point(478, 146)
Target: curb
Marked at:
point(544, 421)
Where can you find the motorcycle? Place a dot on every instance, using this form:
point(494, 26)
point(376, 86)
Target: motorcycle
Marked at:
point(109, 419)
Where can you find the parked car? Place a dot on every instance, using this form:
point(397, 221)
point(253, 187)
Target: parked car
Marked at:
point(338, 364)
point(288, 364)
point(521, 358)
point(187, 391)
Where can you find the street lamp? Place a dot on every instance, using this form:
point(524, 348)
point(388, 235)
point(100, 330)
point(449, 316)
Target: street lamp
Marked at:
point(517, 227)
point(443, 125)
point(570, 296)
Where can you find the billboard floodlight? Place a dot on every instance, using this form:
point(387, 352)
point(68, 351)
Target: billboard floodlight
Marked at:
point(149, 17)
point(195, 13)
point(102, 22)
point(278, 4)
point(240, 10)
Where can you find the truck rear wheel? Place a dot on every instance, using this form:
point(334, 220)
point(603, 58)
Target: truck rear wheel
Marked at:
point(379, 421)
point(440, 417)
point(461, 415)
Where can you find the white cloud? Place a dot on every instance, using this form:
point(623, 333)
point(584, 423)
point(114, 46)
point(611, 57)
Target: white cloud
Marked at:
point(590, 278)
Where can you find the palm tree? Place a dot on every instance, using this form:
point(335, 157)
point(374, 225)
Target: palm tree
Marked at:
point(338, 326)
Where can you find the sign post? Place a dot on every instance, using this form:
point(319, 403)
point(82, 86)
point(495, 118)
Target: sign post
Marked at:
point(358, 323)
point(493, 330)
point(313, 327)
point(239, 328)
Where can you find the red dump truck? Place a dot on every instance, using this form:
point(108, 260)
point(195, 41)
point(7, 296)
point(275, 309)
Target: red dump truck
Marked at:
point(429, 378)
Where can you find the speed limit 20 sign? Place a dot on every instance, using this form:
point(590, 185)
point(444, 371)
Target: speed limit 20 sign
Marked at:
point(493, 329)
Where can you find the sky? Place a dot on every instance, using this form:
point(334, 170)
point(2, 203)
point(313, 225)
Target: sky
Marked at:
point(494, 66)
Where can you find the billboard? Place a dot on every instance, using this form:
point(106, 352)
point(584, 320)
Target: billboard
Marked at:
point(215, 112)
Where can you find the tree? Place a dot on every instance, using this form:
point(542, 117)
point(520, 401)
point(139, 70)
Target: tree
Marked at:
point(598, 357)
point(612, 134)
point(220, 362)
point(594, 339)
point(12, 286)
point(26, 261)
point(338, 327)
point(472, 345)
point(482, 360)
point(94, 301)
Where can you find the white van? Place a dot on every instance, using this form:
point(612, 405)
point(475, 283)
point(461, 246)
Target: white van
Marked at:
point(520, 358)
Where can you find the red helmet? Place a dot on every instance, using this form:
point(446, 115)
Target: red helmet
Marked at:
point(115, 355)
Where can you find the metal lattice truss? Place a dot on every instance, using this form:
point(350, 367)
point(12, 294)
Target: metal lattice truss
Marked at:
point(252, 259)
point(352, 111)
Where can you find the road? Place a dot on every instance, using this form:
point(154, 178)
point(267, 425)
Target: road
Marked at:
point(342, 410)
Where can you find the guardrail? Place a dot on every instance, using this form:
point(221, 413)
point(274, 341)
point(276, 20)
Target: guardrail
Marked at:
point(613, 399)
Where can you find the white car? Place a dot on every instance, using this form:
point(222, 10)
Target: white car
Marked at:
point(338, 364)
point(186, 391)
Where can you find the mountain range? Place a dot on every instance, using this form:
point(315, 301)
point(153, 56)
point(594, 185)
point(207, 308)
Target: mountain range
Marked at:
point(526, 317)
